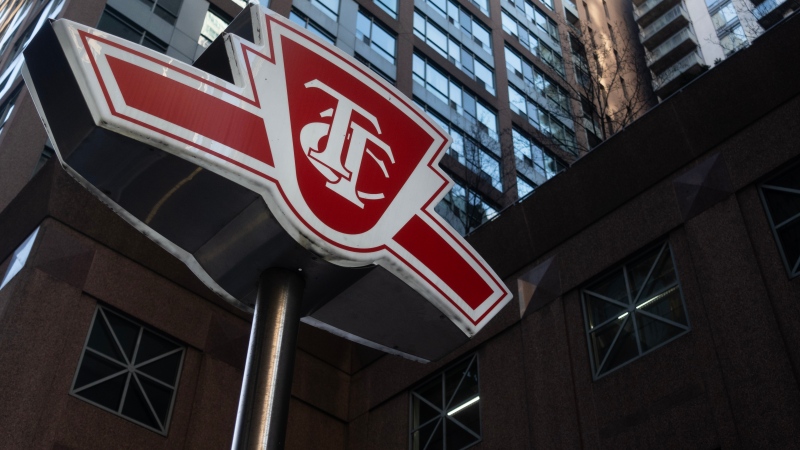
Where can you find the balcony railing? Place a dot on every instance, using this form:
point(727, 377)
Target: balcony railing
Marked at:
point(670, 44)
point(649, 31)
point(766, 8)
point(644, 8)
point(677, 69)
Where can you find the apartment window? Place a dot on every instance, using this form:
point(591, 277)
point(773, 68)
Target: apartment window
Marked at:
point(524, 187)
point(465, 208)
point(329, 7)
point(544, 121)
point(549, 4)
point(115, 23)
point(129, 369)
point(483, 5)
point(781, 198)
point(724, 15)
point(635, 309)
point(538, 17)
point(586, 10)
point(166, 9)
point(468, 23)
point(454, 51)
point(372, 33)
point(530, 153)
point(390, 6)
point(445, 410)
point(532, 42)
point(469, 151)
point(302, 20)
point(733, 40)
point(605, 8)
point(539, 82)
point(439, 83)
point(214, 24)
point(374, 68)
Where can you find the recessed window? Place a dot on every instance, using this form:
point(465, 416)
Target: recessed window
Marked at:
point(129, 370)
point(633, 310)
point(445, 411)
point(781, 196)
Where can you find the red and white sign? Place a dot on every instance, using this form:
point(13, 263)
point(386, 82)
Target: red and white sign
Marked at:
point(346, 163)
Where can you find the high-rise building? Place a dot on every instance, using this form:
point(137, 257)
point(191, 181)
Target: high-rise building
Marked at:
point(683, 38)
point(510, 80)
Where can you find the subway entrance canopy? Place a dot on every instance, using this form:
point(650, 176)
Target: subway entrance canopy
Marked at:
point(273, 150)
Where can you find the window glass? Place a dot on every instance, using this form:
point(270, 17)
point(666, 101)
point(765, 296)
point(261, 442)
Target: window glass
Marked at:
point(468, 23)
point(781, 197)
point(129, 369)
point(543, 120)
point(452, 93)
point(377, 37)
point(733, 40)
point(524, 187)
point(390, 6)
point(633, 310)
point(451, 48)
point(535, 45)
point(445, 411)
point(215, 23)
point(530, 153)
point(724, 15)
point(540, 83)
point(329, 7)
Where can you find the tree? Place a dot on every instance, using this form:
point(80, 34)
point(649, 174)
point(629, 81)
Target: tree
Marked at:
point(478, 175)
point(611, 87)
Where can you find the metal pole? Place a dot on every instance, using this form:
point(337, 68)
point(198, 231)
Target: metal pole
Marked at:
point(267, 383)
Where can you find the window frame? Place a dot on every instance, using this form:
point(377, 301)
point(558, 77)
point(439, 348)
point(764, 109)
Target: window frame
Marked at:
point(633, 306)
point(472, 361)
point(181, 348)
point(792, 270)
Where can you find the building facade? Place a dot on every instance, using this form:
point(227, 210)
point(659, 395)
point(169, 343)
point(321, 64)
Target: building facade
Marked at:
point(655, 280)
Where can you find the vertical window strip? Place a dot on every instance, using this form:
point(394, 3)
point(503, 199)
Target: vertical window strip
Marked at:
point(539, 82)
point(450, 48)
point(542, 120)
point(449, 91)
point(532, 42)
point(468, 23)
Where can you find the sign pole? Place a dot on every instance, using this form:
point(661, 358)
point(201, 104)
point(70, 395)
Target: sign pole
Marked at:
point(267, 383)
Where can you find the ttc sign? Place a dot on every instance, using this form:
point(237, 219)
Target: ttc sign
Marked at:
point(346, 164)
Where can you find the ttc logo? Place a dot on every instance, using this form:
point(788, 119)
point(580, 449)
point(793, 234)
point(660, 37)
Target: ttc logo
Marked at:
point(347, 165)
point(342, 178)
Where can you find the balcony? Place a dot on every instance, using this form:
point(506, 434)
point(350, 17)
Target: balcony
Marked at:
point(671, 50)
point(665, 26)
point(773, 11)
point(649, 11)
point(678, 74)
